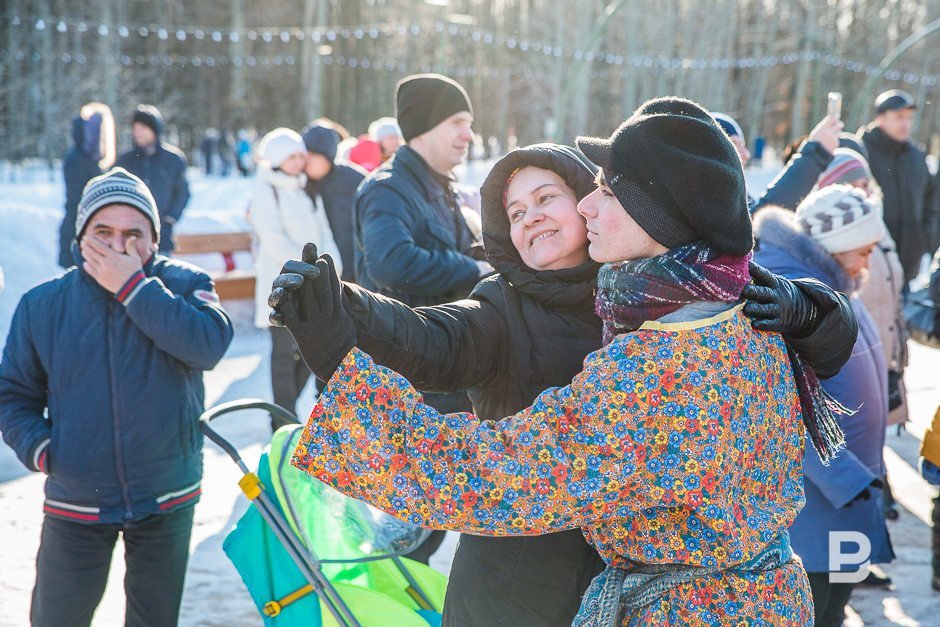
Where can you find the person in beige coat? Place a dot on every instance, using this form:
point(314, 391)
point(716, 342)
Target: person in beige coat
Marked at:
point(284, 219)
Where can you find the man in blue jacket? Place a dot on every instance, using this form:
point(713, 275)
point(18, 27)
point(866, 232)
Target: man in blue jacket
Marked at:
point(413, 241)
point(161, 166)
point(100, 389)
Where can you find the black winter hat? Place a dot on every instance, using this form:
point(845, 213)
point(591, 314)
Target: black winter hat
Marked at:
point(321, 139)
point(150, 116)
point(678, 175)
point(422, 101)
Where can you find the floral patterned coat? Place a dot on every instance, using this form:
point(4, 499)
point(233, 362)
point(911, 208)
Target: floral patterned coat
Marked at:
point(678, 443)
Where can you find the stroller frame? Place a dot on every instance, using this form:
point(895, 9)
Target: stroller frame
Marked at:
point(303, 556)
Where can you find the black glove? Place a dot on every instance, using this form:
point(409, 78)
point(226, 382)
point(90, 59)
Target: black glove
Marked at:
point(777, 304)
point(291, 278)
point(865, 494)
point(314, 314)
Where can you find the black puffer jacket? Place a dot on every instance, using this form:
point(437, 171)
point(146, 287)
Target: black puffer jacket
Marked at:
point(910, 198)
point(519, 333)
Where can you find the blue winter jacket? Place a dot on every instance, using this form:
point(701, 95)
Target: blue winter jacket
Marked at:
point(796, 180)
point(164, 172)
point(862, 383)
point(103, 391)
point(410, 243)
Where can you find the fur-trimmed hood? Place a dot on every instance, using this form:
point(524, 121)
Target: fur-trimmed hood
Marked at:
point(785, 249)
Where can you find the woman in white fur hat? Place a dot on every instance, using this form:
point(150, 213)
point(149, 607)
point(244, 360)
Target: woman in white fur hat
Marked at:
point(284, 219)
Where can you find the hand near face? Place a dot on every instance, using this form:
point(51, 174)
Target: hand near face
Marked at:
point(110, 268)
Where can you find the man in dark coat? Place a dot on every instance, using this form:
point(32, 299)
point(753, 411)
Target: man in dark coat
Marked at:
point(161, 166)
point(909, 190)
point(101, 389)
point(413, 242)
point(332, 186)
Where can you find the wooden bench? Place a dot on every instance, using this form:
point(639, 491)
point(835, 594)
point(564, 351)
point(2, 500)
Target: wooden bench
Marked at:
point(231, 283)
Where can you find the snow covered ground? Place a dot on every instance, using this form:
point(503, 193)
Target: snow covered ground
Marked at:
point(30, 212)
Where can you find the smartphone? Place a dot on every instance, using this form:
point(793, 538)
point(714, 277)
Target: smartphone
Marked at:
point(835, 104)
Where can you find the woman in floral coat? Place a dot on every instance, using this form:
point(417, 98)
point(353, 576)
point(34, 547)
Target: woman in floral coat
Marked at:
point(678, 448)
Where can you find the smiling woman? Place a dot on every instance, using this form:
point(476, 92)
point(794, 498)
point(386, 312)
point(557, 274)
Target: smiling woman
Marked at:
point(544, 223)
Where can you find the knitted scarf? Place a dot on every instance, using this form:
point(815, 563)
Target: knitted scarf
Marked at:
point(631, 292)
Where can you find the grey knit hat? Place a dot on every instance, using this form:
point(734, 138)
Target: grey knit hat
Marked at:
point(117, 186)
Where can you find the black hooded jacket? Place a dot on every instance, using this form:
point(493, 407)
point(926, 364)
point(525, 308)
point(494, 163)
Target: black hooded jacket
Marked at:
point(520, 332)
point(164, 172)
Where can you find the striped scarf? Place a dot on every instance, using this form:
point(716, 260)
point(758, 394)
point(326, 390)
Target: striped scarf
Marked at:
point(631, 292)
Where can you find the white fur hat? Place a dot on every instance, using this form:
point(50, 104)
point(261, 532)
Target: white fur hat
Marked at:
point(278, 145)
point(841, 218)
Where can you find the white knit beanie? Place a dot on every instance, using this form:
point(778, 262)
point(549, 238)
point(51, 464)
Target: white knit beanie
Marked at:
point(841, 218)
point(278, 145)
point(384, 128)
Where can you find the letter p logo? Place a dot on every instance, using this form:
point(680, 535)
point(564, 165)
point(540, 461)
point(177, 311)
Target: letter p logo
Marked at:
point(838, 559)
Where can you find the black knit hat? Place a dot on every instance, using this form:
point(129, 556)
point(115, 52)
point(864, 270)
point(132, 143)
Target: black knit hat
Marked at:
point(422, 101)
point(321, 139)
point(678, 175)
point(150, 116)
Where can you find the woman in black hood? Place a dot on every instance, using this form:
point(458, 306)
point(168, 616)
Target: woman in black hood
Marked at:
point(528, 328)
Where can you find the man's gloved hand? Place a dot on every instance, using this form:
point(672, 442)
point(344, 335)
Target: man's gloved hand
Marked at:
point(292, 276)
point(775, 303)
point(314, 314)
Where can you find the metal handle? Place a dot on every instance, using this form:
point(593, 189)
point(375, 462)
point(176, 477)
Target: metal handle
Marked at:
point(233, 406)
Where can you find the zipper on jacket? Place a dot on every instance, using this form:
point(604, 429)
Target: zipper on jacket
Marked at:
point(118, 449)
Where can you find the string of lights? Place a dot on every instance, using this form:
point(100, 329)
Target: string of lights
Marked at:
point(327, 34)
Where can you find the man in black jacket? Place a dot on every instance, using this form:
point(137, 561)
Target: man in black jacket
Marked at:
point(899, 167)
point(161, 166)
point(332, 187)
